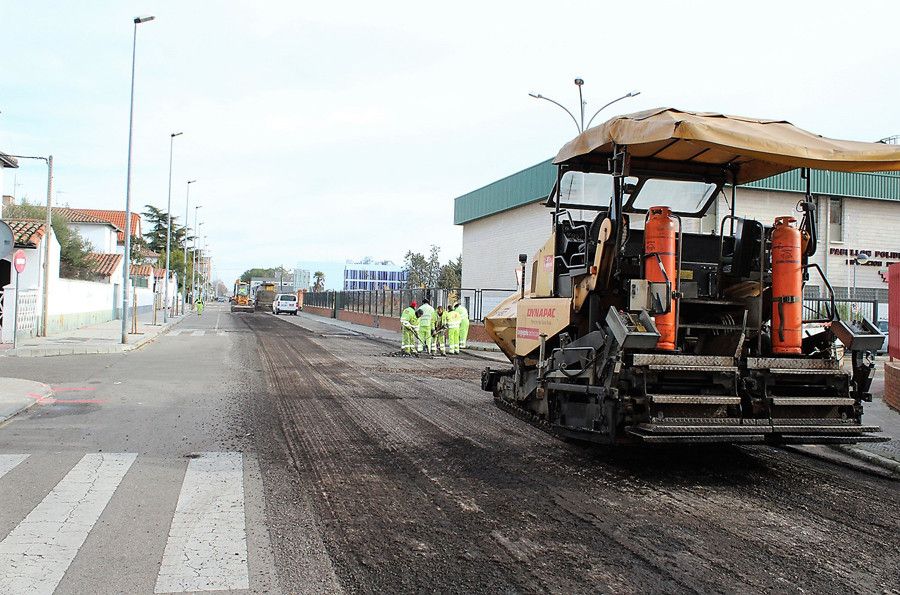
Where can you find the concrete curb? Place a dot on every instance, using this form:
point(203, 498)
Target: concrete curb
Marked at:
point(870, 457)
point(98, 349)
point(838, 455)
point(39, 392)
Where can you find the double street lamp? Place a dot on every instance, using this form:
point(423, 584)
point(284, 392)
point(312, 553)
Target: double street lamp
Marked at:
point(579, 122)
point(126, 268)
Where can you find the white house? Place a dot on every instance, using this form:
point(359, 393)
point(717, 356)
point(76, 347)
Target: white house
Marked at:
point(29, 236)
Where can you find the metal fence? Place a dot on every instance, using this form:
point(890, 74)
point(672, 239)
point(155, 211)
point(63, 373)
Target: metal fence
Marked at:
point(388, 302)
point(27, 316)
point(819, 308)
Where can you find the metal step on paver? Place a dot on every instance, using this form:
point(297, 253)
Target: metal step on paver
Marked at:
point(811, 401)
point(670, 399)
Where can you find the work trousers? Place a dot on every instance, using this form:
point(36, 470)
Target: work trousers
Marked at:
point(453, 340)
point(463, 332)
point(440, 343)
point(424, 338)
point(408, 340)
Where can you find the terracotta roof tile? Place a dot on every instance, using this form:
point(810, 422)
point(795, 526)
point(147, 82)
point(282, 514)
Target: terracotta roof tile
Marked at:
point(27, 232)
point(105, 264)
point(79, 216)
point(117, 218)
point(141, 270)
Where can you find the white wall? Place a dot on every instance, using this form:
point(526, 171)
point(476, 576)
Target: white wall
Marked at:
point(101, 236)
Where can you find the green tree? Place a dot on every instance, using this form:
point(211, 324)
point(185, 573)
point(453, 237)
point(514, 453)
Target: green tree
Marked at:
point(260, 272)
point(422, 271)
point(74, 251)
point(450, 276)
point(159, 222)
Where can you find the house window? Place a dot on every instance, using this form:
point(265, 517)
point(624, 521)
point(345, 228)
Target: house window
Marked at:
point(836, 220)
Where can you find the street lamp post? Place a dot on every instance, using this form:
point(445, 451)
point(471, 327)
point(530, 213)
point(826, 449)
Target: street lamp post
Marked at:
point(579, 124)
point(127, 266)
point(194, 255)
point(168, 230)
point(187, 204)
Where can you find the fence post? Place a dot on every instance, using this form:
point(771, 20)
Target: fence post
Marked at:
point(875, 312)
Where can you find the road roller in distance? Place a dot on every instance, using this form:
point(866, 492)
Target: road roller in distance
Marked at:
point(651, 318)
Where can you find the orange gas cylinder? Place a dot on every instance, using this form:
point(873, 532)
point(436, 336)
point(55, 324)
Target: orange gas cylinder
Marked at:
point(659, 240)
point(787, 288)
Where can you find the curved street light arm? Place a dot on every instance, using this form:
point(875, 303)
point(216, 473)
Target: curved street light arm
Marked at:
point(574, 119)
point(626, 96)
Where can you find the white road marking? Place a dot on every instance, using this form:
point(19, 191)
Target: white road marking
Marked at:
point(176, 332)
point(197, 333)
point(218, 314)
point(35, 555)
point(207, 545)
point(9, 462)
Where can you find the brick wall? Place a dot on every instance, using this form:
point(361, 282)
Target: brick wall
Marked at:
point(476, 331)
point(892, 384)
point(318, 311)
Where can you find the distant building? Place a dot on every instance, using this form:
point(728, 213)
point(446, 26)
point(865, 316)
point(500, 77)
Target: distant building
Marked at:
point(380, 275)
point(302, 279)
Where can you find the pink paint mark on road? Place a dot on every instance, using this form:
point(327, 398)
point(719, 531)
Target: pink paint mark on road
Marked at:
point(72, 389)
point(79, 401)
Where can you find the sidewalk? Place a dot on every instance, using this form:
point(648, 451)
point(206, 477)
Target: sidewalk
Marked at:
point(18, 395)
point(105, 337)
point(482, 350)
point(878, 413)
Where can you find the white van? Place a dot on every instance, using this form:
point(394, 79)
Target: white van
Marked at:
point(285, 302)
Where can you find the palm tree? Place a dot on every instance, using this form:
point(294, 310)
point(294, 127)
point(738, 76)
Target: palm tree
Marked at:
point(319, 281)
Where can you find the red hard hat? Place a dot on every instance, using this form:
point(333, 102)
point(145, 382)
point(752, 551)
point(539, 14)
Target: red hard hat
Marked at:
point(413, 303)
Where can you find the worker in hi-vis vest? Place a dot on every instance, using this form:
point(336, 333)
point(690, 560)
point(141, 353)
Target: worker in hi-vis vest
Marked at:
point(409, 325)
point(453, 322)
point(439, 331)
point(425, 326)
point(463, 324)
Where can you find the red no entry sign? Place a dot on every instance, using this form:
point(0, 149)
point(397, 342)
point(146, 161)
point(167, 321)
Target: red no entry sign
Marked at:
point(19, 260)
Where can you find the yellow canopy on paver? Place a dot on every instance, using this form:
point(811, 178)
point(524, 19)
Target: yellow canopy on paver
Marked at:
point(754, 147)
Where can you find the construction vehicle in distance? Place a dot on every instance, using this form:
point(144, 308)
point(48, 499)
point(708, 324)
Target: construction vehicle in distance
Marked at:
point(639, 328)
point(265, 297)
point(241, 300)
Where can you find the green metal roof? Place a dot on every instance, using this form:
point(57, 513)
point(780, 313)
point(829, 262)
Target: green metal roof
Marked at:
point(535, 183)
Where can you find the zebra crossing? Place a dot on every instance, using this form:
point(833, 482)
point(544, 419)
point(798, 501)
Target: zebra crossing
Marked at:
point(186, 332)
point(206, 545)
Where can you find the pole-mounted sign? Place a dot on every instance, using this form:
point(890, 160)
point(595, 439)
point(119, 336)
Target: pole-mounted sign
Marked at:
point(18, 259)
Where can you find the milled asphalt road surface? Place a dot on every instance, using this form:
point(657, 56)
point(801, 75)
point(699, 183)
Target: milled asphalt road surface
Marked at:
point(362, 472)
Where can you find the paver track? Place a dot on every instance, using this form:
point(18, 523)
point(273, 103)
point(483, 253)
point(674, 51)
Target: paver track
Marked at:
point(418, 483)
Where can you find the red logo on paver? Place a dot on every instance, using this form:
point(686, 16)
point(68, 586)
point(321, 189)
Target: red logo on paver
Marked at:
point(528, 333)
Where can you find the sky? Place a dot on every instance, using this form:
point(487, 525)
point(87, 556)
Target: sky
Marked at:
point(334, 131)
